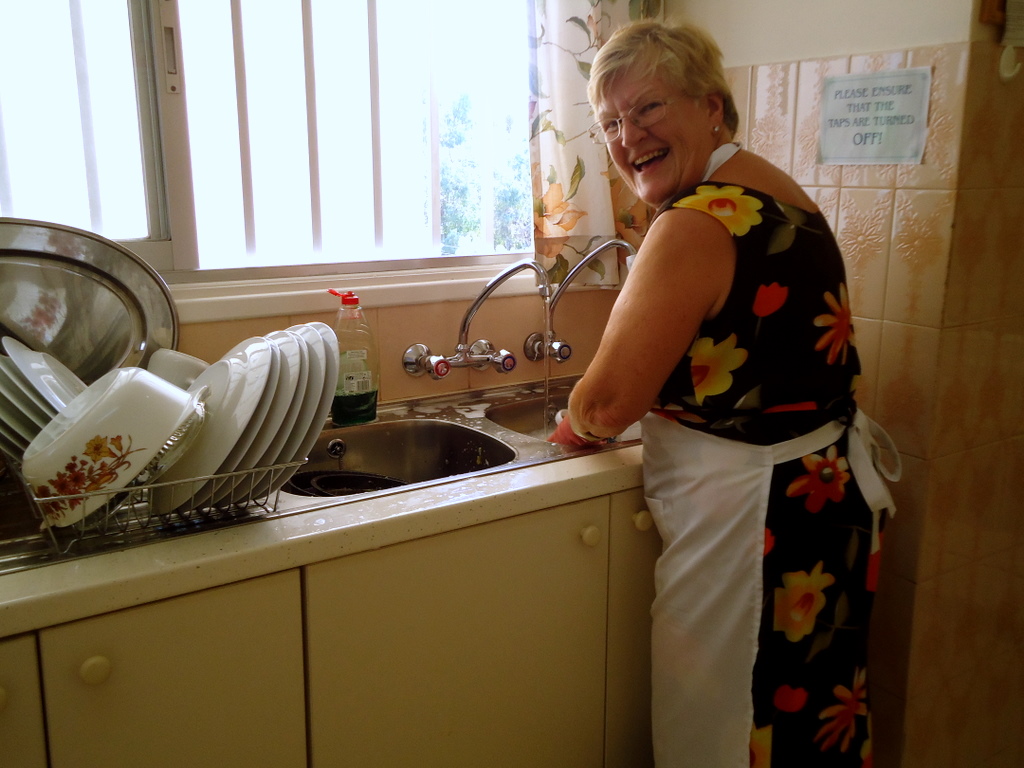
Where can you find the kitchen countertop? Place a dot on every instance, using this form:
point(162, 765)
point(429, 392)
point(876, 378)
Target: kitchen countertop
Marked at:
point(77, 588)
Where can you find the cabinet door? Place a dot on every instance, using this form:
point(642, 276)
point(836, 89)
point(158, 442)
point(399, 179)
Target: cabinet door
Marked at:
point(634, 546)
point(211, 679)
point(22, 735)
point(480, 647)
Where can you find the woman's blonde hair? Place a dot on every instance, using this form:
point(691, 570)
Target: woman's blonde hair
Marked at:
point(682, 55)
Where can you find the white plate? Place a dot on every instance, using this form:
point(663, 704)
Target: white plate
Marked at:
point(52, 379)
point(33, 402)
point(295, 379)
point(235, 390)
point(329, 344)
point(310, 417)
point(263, 426)
point(12, 442)
point(19, 412)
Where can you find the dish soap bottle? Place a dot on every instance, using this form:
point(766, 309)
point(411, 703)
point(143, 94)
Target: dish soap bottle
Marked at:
point(355, 396)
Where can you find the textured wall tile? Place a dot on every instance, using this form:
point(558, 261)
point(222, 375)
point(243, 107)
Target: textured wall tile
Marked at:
point(811, 79)
point(919, 257)
point(773, 113)
point(940, 164)
point(738, 79)
point(868, 337)
point(969, 389)
point(905, 399)
point(864, 233)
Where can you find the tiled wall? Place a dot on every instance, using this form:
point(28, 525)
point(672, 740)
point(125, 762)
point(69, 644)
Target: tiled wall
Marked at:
point(505, 321)
point(936, 262)
point(935, 256)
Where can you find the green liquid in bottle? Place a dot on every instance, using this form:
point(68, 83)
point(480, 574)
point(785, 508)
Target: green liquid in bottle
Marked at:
point(354, 409)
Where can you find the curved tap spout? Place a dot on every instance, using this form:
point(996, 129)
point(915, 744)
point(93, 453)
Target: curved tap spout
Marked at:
point(418, 359)
point(537, 346)
point(544, 288)
point(583, 263)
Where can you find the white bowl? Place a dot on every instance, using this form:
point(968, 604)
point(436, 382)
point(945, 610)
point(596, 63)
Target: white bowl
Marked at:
point(176, 367)
point(102, 441)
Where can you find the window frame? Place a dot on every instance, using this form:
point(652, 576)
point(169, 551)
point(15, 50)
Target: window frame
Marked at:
point(204, 295)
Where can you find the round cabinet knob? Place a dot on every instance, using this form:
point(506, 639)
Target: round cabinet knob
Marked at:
point(95, 670)
point(643, 520)
point(3, 699)
point(591, 535)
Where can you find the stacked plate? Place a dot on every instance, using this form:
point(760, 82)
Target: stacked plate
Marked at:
point(266, 401)
point(34, 387)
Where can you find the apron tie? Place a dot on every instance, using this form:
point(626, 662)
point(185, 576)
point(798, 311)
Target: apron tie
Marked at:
point(866, 461)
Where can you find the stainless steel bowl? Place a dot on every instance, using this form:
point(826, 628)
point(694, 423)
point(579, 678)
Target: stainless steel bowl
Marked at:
point(86, 300)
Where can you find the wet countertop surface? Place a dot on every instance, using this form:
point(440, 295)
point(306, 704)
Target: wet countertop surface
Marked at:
point(302, 532)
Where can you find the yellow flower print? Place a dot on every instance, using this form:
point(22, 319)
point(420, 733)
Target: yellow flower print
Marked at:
point(799, 601)
point(843, 715)
point(553, 216)
point(738, 212)
point(712, 364)
point(98, 448)
point(839, 335)
point(761, 747)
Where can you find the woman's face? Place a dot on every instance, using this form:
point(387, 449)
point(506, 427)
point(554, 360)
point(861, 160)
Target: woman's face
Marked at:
point(669, 155)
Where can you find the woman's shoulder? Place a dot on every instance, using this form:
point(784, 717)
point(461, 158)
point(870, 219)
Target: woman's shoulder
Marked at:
point(752, 172)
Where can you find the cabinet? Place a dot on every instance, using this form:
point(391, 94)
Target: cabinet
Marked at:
point(22, 734)
point(483, 646)
point(634, 547)
point(213, 679)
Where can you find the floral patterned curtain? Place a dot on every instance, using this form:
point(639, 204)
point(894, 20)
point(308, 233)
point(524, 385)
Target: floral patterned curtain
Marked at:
point(579, 200)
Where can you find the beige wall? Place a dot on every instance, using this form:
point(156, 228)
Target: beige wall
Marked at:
point(757, 32)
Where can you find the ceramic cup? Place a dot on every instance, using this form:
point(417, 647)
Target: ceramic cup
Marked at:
point(102, 441)
point(176, 367)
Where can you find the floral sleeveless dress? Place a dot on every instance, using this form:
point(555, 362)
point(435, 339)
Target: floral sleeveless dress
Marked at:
point(759, 408)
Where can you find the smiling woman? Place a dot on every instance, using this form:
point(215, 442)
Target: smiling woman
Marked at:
point(252, 136)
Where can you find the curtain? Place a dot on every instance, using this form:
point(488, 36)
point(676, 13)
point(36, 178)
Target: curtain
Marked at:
point(579, 201)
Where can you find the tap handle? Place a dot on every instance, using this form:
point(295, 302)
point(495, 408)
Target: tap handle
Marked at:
point(560, 350)
point(504, 361)
point(418, 360)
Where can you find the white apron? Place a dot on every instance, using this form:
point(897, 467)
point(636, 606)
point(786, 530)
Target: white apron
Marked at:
point(709, 496)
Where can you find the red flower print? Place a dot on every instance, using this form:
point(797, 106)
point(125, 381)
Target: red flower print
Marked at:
point(769, 299)
point(789, 699)
point(874, 563)
point(825, 480)
point(769, 540)
point(843, 723)
point(839, 335)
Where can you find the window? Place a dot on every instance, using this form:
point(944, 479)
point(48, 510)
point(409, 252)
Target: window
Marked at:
point(298, 132)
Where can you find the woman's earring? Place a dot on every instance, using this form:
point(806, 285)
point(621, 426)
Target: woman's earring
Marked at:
point(716, 129)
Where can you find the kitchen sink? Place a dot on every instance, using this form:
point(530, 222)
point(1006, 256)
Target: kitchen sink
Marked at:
point(415, 443)
point(534, 416)
point(388, 454)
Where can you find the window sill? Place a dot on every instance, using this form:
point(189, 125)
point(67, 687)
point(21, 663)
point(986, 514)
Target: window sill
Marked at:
point(238, 299)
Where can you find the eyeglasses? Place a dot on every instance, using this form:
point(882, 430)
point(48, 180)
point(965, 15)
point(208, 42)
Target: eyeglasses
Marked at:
point(642, 116)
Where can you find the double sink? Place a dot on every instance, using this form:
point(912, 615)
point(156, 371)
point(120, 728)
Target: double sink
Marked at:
point(417, 443)
point(432, 440)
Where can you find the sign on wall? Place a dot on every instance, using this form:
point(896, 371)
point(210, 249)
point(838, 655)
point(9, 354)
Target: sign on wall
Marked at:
point(875, 119)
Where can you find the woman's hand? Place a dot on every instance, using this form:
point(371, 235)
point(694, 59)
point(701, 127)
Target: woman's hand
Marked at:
point(564, 435)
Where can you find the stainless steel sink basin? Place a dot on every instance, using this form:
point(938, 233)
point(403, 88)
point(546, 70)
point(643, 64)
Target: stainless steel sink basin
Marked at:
point(390, 453)
point(532, 416)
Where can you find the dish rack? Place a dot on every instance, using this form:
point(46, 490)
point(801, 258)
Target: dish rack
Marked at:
point(125, 517)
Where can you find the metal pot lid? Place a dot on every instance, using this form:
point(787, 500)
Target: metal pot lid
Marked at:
point(86, 300)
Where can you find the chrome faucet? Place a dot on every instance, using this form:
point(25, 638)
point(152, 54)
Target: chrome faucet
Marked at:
point(559, 349)
point(418, 359)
